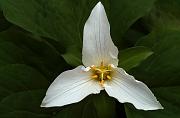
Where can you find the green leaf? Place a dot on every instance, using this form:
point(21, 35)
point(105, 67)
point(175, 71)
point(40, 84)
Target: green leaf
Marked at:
point(161, 69)
point(164, 14)
point(4, 24)
point(93, 106)
point(170, 100)
point(74, 60)
point(19, 77)
point(23, 104)
point(136, 31)
point(61, 20)
point(132, 57)
point(55, 19)
point(82, 109)
point(21, 47)
point(23, 114)
point(64, 20)
point(19, 91)
point(123, 13)
point(161, 72)
point(10, 53)
point(104, 106)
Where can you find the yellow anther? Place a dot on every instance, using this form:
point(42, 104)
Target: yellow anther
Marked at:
point(102, 76)
point(107, 70)
point(109, 77)
point(97, 69)
point(101, 73)
point(94, 76)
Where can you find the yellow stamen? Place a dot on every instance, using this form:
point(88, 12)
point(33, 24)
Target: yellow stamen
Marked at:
point(94, 76)
point(101, 73)
point(109, 77)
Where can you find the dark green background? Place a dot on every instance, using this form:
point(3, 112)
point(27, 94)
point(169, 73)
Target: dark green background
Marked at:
point(39, 39)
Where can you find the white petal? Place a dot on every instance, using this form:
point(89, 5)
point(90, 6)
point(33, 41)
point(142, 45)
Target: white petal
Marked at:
point(126, 89)
point(97, 42)
point(70, 87)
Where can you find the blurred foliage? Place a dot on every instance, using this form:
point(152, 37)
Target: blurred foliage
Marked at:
point(132, 57)
point(39, 39)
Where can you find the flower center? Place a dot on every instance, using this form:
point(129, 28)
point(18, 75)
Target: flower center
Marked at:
point(101, 73)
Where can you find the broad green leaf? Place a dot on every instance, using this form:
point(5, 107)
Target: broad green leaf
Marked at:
point(64, 20)
point(123, 13)
point(19, 77)
point(82, 109)
point(169, 98)
point(169, 7)
point(161, 71)
point(19, 91)
point(33, 51)
point(61, 20)
point(10, 53)
point(24, 114)
point(132, 57)
point(23, 104)
point(134, 34)
point(4, 24)
point(71, 58)
point(46, 18)
point(104, 106)
point(164, 14)
point(93, 106)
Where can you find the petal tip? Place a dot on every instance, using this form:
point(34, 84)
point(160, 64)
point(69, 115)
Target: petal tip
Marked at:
point(46, 105)
point(43, 104)
point(99, 5)
point(158, 106)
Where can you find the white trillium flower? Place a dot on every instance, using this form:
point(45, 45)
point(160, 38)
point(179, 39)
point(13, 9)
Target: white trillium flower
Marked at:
point(100, 58)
